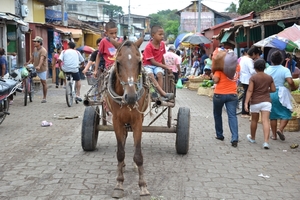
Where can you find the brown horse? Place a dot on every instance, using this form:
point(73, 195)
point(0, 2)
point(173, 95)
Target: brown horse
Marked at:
point(127, 98)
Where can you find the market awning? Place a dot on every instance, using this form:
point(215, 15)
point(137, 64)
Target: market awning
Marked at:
point(11, 17)
point(226, 36)
point(76, 33)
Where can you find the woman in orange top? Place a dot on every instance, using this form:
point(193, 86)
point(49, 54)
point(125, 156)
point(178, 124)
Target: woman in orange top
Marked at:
point(225, 93)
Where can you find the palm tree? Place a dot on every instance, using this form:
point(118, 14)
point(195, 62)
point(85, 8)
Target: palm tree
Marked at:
point(232, 8)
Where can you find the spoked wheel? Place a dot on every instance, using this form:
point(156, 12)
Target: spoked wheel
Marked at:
point(89, 128)
point(74, 95)
point(31, 90)
point(69, 95)
point(25, 89)
point(4, 106)
point(240, 92)
point(183, 130)
point(239, 105)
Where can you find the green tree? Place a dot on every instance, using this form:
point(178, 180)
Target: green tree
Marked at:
point(246, 6)
point(231, 8)
point(172, 27)
point(113, 10)
point(168, 19)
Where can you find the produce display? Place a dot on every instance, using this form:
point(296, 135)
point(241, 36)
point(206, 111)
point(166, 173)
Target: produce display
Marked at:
point(296, 82)
point(207, 83)
point(295, 92)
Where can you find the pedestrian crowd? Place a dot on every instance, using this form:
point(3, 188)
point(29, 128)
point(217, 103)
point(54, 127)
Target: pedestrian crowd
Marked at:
point(265, 93)
point(262, 73)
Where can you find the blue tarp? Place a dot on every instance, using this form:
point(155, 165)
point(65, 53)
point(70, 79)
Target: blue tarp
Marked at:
point(53, 15)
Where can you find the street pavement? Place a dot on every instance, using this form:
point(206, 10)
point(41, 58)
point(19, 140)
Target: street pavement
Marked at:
point(41, 163)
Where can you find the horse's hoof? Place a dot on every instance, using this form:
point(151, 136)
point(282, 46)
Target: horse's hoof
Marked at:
point(117, 193)
point(145, 197)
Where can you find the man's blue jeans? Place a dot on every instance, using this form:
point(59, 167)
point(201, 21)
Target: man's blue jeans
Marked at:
point(230, 101)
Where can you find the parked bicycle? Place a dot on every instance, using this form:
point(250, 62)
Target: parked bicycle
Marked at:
point(7, 88)
point(240, 92)
point(28, 84)
point(70, 89)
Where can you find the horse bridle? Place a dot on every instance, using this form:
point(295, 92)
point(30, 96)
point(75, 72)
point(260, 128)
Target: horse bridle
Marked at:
point(139, 84)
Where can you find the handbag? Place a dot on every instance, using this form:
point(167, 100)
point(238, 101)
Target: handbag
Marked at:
point(61, 75)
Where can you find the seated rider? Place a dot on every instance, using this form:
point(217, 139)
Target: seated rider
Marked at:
point(71, 60)
point(92, 59)
point(107, 51)
point(153, 60)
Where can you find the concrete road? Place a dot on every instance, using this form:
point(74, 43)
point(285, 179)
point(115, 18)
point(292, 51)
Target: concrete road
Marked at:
point(39, 163)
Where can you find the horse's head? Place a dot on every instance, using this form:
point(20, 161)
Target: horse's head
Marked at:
point(128, 69)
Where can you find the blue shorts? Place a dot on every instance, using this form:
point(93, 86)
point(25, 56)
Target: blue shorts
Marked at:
point(151, 69)
point(42, 75)
point(76, 75)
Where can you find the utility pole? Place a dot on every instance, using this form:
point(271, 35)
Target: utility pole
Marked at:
point(129, 24)
point(64, 22)
point(199, 17)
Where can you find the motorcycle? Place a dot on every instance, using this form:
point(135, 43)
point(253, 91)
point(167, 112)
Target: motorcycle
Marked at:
point(8, 86)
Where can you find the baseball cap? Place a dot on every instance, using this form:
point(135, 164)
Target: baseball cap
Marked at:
point(38, 39)
point(172, 48)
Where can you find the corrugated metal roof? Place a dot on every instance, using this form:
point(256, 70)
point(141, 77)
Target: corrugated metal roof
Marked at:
point(231, 21)
point(12, 17)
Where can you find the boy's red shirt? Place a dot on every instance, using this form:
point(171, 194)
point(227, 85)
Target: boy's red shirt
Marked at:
point(151, 52)
point(108, 51)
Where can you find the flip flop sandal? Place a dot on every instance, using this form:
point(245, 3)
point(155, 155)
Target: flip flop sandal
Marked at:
point(294, 146)
point(273, 138)
point(281, 136)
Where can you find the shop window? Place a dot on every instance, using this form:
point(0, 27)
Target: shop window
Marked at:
point(72, 7)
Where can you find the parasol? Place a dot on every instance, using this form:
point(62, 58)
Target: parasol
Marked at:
point(86, 49)
point(195, 39)
point(179, 38)
point(278, 42)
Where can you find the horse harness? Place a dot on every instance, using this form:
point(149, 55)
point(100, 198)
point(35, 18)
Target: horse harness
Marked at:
point(142, 85)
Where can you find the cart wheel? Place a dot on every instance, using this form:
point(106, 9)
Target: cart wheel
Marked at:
point(183, 130)
point(89, 128)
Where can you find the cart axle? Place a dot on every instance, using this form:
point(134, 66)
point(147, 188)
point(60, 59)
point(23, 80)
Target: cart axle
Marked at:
point(144, 129)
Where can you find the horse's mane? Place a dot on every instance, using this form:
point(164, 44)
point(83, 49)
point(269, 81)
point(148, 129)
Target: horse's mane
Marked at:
point(127, 43)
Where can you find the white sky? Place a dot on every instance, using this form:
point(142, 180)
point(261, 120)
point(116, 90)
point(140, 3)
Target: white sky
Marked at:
point(146, 7)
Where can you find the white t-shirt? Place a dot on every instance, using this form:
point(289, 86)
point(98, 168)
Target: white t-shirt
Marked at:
point(71, 59)
point(247, 69)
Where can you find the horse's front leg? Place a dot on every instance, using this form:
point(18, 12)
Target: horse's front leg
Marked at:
point(121, 135)
point(138, 159)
